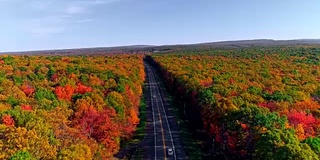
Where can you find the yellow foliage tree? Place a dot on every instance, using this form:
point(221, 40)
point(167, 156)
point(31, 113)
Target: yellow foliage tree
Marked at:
point(21, 139)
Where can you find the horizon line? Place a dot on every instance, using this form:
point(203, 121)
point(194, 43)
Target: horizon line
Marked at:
point(158, 45)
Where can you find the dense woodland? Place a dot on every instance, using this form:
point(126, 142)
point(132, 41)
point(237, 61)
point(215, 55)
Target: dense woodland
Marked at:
point(68, 107)
point(257, 103)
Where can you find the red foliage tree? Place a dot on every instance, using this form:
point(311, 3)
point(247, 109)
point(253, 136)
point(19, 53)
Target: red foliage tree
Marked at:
point(82, 89)
point(99, 126)
point(64, 92)
point(26, 107)
point(7, 120)
point(85, 119)
point(27, 89)
point(307, 121)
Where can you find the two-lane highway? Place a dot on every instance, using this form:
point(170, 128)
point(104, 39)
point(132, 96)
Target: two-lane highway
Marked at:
point(163, 133)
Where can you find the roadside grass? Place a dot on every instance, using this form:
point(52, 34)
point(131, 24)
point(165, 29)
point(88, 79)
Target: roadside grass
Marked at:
point(138, 154)
point(141, 128)
point(191, 144)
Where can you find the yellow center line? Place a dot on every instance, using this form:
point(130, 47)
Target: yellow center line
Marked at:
point(164, 143)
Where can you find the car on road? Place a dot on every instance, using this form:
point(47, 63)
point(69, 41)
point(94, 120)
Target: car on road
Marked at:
point(170, 151)
point(154, 96)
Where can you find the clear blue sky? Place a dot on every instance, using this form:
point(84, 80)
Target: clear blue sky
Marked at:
point(55, 24)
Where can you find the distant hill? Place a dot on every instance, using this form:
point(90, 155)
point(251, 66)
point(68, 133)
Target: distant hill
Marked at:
point(87, 51)
point(248, 43)
point(150, 48)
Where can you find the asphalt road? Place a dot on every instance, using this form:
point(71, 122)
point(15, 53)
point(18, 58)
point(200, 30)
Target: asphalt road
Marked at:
point(162, 128)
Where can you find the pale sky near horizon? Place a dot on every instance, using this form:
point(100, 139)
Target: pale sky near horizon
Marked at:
point(58, 24)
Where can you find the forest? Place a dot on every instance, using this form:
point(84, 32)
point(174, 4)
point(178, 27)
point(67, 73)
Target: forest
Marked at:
point(257, 103)
point(68, 107)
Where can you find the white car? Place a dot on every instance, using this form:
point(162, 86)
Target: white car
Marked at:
point(170, 151)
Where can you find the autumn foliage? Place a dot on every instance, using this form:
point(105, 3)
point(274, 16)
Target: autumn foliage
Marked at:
point(256, 103)
point(27, 89)
point(7, 120)
point(26, 107)
point(82, 89)
point(68, 107)
point(64, 92)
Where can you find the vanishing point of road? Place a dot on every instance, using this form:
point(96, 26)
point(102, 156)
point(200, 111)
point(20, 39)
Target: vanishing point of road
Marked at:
point(162, 129)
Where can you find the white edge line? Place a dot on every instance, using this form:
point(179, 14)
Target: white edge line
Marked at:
point(161, 101)
point(154, 122)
